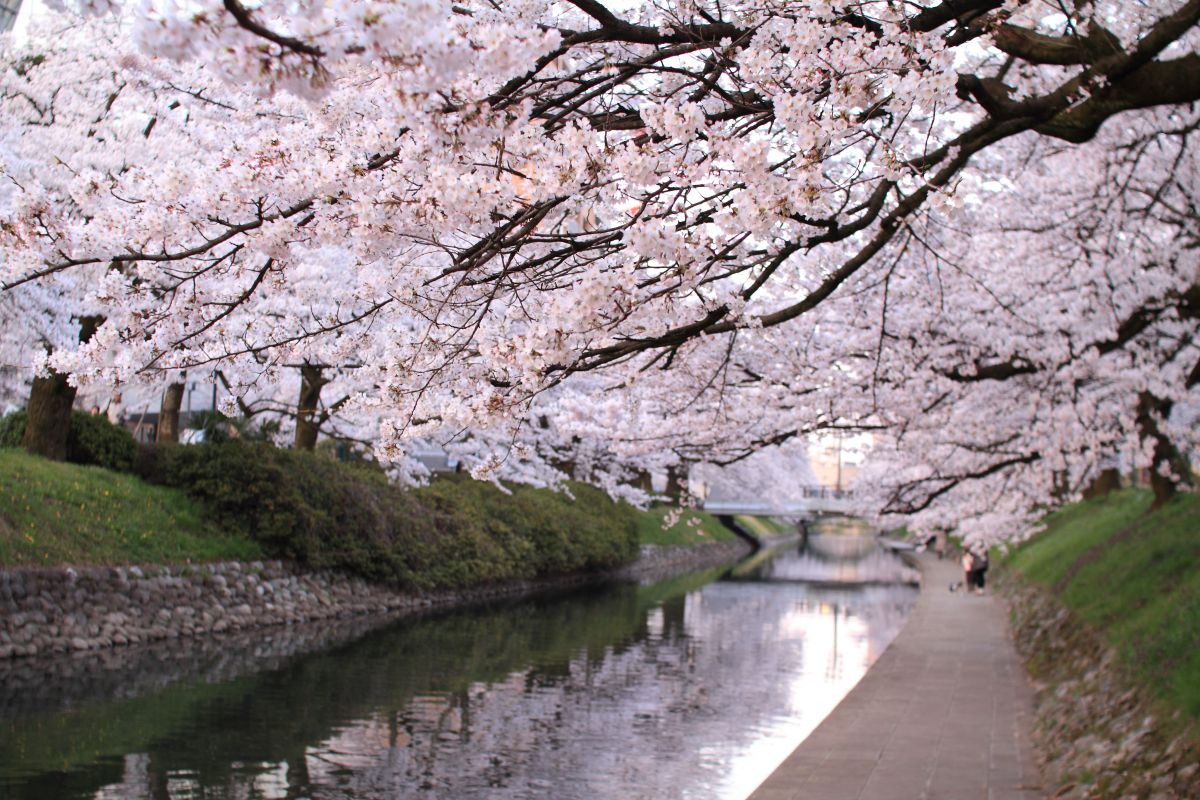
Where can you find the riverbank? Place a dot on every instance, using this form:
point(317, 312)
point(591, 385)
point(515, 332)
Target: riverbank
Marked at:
point(308, 510)
point(75, 609)
point(1098, 734)
point(1105, 609)
point(246, 535)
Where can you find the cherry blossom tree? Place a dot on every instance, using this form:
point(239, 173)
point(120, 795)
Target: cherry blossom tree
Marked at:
point(673, 231)
point(1028, 383)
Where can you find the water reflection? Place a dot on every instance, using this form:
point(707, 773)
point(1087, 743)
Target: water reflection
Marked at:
point(831, 559)
point(684, 689)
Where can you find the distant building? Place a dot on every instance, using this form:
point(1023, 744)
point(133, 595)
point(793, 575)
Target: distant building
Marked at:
point(144, 426)
point(836, 459)
point(438, 461)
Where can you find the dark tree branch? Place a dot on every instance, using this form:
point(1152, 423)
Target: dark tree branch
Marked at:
point(247, 21)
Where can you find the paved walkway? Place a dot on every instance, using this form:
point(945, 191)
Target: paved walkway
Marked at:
point(944, 714)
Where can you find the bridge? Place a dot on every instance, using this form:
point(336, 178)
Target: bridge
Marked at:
point(814, 502)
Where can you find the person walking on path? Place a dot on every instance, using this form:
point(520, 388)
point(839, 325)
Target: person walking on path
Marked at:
point(968, 565)
point(979, 567)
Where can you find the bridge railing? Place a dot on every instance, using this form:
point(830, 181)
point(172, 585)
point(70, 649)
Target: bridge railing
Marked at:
point(825, 493)
point(814, 500)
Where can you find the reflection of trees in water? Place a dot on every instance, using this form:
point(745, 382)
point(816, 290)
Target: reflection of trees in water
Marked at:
point(77, 680)
point(639, 723)
point(842, 526)
point(839, 546)
point(873, 566)
point(270, 716)
point(570, 698)
point(830, 559)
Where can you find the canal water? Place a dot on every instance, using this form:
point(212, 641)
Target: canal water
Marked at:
point(696, 687)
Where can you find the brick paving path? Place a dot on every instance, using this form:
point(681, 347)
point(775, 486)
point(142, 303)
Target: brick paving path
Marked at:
point(944, 714)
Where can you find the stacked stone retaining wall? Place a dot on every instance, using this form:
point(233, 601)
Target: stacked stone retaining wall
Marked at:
point(76, 679)
point(658, 562)
point(45, 611)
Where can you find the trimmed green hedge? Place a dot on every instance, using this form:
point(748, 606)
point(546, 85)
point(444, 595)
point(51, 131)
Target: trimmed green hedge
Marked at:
point(539, 531)
point(91, 440)
point(455, 532)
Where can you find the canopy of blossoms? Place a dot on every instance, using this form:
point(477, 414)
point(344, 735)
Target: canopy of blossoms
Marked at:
point(614, 237)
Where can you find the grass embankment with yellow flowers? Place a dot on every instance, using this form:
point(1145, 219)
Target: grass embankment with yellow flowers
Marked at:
point(54, 513)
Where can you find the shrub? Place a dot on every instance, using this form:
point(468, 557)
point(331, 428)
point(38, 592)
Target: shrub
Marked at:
point(91, 439)
point(12, 428)
point(456, 532)
point(542, 531)
point(95, 440)
point(296, 505)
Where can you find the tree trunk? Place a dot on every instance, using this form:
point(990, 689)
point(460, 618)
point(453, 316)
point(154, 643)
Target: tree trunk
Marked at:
point(567, 467)
point(308, 421)
point(49, 418)
point(168, 414)
point(1107, 482)
point(677, 484)
point(1061, 488)
point(642, 479)
point(1166, 455)
point(50, 402)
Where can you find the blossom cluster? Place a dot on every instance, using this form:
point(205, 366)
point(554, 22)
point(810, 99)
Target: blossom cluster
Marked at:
point(568, 239)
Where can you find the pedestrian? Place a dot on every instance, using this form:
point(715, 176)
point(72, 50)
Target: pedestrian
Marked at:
point(968, 565)
point(979, 566)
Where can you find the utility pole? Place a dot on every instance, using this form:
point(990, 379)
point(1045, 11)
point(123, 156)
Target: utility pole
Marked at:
point(839, 465)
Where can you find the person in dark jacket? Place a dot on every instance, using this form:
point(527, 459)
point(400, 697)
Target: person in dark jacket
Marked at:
point(978, 572)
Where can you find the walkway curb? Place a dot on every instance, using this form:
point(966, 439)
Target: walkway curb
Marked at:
point(946, 713)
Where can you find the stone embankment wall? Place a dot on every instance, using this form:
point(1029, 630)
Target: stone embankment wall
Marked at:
point(660, 562)
point(62, 681)
point(45, 611)
point(1099, 736)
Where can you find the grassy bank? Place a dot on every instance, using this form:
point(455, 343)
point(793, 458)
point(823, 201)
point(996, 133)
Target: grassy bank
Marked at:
point(686, 528)
point(765, 527)
point(52, 513)
point(244, 501)
point(241, 500)
point(691, 526)
point(1133, 576)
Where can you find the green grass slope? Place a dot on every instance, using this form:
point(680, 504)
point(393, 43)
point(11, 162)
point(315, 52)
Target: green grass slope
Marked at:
point(56, 513)
point(1134, 576)
point(690, 527)
point(766, 527)
point(240, 500)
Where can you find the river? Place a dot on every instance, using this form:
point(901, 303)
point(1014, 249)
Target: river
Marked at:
point(696, 687)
